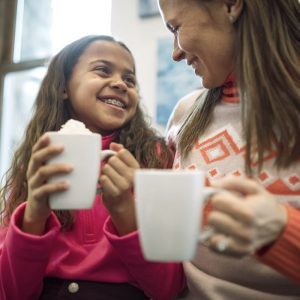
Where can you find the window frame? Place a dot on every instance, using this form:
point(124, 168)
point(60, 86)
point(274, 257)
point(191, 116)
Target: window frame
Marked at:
point(8, 21)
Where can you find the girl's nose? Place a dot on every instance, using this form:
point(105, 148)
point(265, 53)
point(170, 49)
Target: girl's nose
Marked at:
point(118, 84)
point(178, 54)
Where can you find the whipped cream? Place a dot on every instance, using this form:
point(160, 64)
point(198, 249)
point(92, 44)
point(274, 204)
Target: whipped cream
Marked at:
point(74, 127)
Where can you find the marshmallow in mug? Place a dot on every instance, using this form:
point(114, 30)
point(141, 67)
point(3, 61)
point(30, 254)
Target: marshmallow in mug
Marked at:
point(74, 127)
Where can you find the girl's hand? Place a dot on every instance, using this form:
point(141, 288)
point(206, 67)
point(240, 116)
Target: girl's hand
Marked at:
point(38, 173)
point(246, 218)
point(117, 182)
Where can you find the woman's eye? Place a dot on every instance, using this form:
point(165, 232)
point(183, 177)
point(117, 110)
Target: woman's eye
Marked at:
point(173, 29)
point(176, 29)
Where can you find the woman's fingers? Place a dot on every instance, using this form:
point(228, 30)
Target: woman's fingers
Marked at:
point(248, 215)
point(233, 205)
point(229, 245)
point(227, 225)
point(244, 186)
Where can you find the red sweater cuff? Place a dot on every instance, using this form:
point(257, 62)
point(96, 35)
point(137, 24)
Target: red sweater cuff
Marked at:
point(283, 254)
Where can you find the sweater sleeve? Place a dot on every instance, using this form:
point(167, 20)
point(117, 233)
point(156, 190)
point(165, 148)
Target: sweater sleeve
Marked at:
point(24, 258)
point(160, 281)
point(284, 254)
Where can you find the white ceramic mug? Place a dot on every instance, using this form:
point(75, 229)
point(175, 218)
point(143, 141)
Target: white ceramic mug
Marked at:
point(169, 207)
point(83, 152)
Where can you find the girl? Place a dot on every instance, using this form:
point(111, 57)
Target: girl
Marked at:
point(90, 254)
point(246, 122)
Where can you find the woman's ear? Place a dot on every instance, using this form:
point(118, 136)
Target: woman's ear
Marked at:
point(234, 9)
point(65, 95)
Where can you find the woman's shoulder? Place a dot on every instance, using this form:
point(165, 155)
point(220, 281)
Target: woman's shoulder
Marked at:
point(183, 107)
point(180, 113)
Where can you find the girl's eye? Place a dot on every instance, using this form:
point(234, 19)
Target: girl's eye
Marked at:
point(103, 70)
point(130, 81)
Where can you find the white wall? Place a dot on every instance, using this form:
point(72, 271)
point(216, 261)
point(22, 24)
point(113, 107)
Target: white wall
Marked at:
point(140, 35)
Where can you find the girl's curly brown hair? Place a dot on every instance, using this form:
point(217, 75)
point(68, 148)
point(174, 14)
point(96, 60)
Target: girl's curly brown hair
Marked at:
point(51, 112)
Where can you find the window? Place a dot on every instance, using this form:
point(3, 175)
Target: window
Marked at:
point(30, 33)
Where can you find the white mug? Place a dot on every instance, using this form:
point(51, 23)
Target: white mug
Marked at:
point(169, 208)
point(83, 152)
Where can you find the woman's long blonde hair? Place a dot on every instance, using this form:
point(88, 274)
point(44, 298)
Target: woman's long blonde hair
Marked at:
point(268, 75)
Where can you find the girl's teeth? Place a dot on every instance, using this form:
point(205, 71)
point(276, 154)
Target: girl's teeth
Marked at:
point(114, 102)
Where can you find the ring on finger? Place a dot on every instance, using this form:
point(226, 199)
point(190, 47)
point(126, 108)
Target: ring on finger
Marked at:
point(222, 245)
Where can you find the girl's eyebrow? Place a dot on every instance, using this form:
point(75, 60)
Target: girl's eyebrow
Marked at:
point(128, 71)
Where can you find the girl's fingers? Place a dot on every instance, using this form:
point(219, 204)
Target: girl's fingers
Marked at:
point(45, 190)
point(115, 146)
point(120, 181)
point(121, 168)
point(108, 187)
point(44, 173)
point(126, 157)
point(42, 142)
point(41, 156)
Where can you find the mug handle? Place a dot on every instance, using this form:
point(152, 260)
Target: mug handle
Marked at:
point(208, 231)
point(107, 153)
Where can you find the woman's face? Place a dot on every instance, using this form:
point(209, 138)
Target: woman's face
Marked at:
point(203, 35)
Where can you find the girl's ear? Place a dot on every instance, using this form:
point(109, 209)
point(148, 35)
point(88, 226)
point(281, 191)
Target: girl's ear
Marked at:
point(234, 9)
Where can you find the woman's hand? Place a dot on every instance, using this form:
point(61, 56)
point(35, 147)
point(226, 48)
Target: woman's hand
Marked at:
point(246, 218)
point(39, 189)
point(117, 182)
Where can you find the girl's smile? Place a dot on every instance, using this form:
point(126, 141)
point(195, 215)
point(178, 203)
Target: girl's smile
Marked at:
point(102, 89)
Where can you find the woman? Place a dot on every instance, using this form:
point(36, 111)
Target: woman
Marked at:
point(245, 123)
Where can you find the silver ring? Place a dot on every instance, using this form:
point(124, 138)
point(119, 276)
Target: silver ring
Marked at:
point(222, 245)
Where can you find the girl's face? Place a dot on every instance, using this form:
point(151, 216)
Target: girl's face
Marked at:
point(102, 88)
point(203, 35)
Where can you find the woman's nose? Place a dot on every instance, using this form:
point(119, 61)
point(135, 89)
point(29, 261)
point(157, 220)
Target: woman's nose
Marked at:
point(178, 54)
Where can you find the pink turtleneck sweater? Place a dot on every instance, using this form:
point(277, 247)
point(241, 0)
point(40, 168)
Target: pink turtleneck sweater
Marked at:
point(273, 274)
point(92, 250)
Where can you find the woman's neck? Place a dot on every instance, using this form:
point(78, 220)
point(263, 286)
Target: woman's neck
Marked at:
point(230, 92)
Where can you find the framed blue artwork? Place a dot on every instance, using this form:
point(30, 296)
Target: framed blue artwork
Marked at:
point(148, 8)
point(174, 80)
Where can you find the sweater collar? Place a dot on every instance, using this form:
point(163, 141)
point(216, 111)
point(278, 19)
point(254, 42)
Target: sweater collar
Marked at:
point(230, 91)
point(107, 139)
